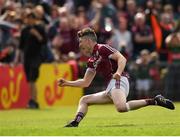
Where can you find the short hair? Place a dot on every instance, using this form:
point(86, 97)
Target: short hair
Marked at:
point(87, 32)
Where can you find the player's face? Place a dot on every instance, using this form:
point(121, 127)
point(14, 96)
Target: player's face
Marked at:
point(84, 47)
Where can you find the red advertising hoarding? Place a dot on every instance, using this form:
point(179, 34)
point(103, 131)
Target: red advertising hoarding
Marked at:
point(14, 91)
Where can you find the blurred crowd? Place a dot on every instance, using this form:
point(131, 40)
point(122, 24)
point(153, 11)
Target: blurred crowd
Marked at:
point(146, 32)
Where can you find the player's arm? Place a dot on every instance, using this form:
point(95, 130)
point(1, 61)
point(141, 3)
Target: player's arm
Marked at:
point(121, 61)
point(84, 82)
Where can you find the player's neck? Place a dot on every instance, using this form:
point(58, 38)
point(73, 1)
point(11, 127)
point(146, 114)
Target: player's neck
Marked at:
point(92, 47)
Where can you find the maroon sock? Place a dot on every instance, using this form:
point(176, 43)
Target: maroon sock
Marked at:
point(79, 117)
point(150, 101)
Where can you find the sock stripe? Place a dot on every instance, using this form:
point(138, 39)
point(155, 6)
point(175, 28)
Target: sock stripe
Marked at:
point(79, 117)
point(80, 114)
point(150, 101)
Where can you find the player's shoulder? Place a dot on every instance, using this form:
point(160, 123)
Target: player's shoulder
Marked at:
point(105, 47)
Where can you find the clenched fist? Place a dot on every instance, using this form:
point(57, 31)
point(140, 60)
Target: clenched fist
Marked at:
point(62, 82)
point(116, 76)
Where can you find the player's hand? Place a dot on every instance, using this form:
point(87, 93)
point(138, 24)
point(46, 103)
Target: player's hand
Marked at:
point(116, 76)
point(62, 82)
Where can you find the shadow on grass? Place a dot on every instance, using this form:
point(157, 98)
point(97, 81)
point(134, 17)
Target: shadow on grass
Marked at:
point(122, 125)
point(139, 125)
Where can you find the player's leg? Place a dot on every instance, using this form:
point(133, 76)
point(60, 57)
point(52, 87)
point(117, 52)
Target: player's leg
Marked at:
point(120, 92)
point(97, 98)
point(158, 100)
point(136, 104)
point(85, 101)
point(119, 100)
point(32, 75)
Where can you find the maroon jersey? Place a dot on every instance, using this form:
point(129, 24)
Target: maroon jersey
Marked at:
point(100, 61)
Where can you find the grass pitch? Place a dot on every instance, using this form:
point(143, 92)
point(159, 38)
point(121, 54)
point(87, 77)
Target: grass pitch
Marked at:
point(100, 121)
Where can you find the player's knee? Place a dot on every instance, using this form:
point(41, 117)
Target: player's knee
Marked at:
point(83, 100)
point(121, 109)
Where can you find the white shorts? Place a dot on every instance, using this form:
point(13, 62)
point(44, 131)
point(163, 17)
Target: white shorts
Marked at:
point(122, 84)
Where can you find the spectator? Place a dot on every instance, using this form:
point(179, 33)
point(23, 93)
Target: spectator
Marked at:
point(66, 39)
point(54, 13)
point(33, 38)
point(167, 25)
point(81, 17)
point(162, 25)
point(122, 37)
point(93, 9)
point(41, 15)
point(173, 44)
point(8, 41)
point(172, 81)
point(120, 5)
point(108, 10)
point(155, 73)
point(155, 67)
point(108, 20)
point(168, 8)
point(158, 6)
point(131, 12)
point(142, 35)
point(143, 82)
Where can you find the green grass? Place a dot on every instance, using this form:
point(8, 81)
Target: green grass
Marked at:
point(100, 120)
